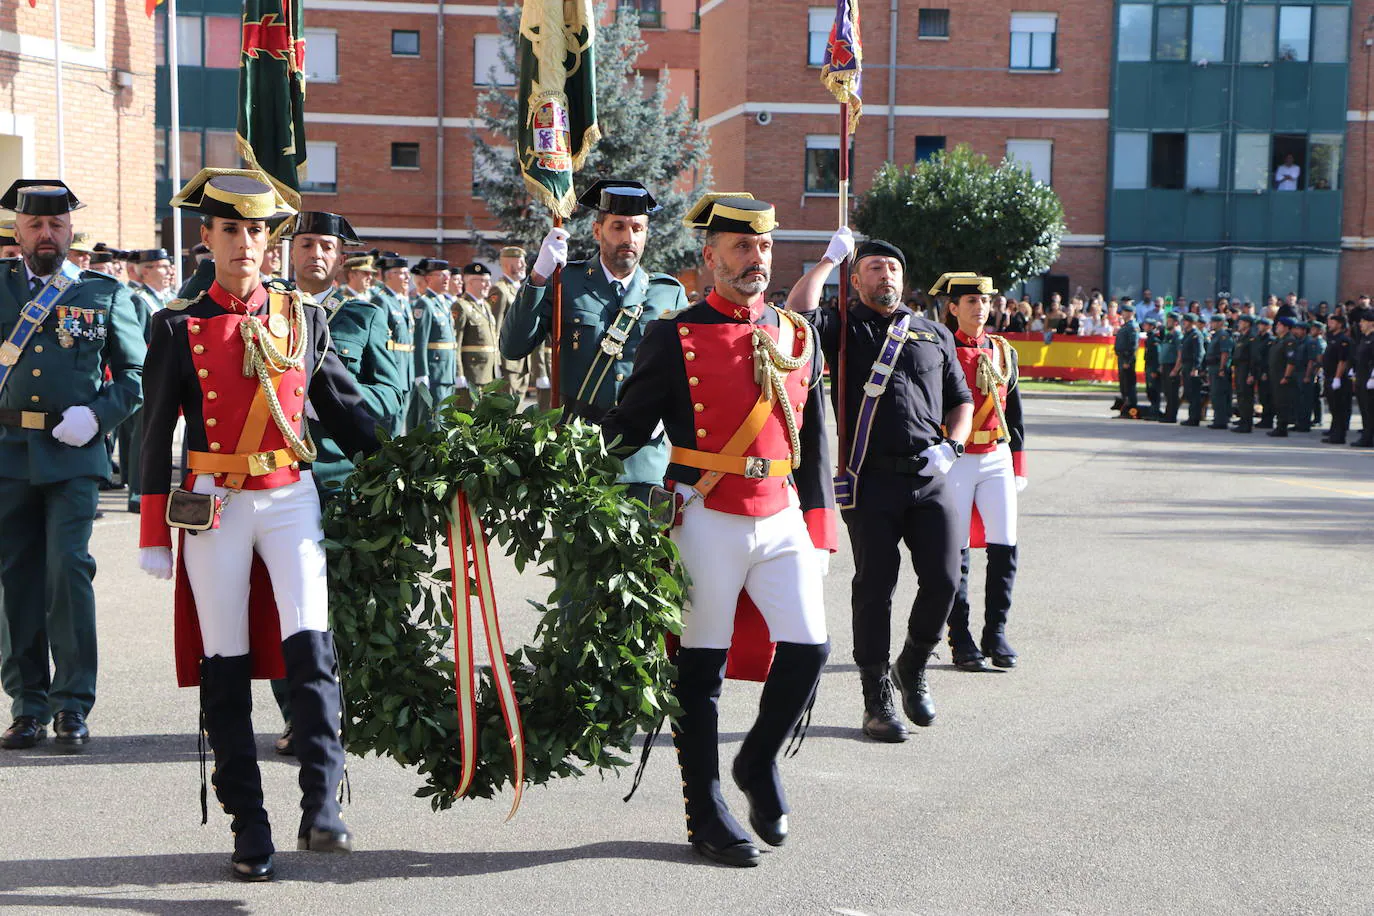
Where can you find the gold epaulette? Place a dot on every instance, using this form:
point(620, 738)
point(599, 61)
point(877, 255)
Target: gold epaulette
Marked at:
point(179, 305)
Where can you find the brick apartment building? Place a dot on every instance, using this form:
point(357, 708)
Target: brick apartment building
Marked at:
point(1160, 124)
point(107, 107)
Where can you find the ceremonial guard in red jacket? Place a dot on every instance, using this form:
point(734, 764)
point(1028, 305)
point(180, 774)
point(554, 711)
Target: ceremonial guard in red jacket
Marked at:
point(238, 362)
point(989, 474)
point(736, 384)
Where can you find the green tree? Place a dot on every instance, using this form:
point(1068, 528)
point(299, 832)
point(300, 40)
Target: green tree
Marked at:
point(642, 139)
point(958, 211)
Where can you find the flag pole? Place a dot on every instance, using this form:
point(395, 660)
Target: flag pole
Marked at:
point(555, 364)
point(840, 371)
point(174, 141)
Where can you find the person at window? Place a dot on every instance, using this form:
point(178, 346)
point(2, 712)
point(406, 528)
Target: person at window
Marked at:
point(1286, 176)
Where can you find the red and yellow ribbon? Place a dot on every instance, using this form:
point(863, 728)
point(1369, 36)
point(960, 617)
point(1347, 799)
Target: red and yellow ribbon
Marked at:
point(471, 540)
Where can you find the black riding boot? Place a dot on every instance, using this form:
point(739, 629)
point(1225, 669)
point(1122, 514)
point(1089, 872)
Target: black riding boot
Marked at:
point(791, 685)
point(711, 828)
point(910, 675)
point(317, 725)
point(1001, 578)
point(226, 703)
point(966, 654)
point(881, 722)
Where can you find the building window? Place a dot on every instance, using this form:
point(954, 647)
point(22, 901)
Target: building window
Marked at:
point(1171, 33)
point(487, 66)
point(322, 55)
point(1209, 34)
point(321, 168)
point(221, 150)
point(1130, 160)
point(405, 155)
point(1287, 167)
point(926, 147)
point(1331, 36)
point(1295, 33)
point(1324, 162)
point(1126, 276)
point(1256, 34)
point(190, 35)
point(1247, 278)
point(823, 164)
point(1134, 31)
point(1252, 162)
point(932, 23)
point(223, 37)
point(1033, 37)
point(1035, 157)
point(649, 80)
point(192, 156)
point(1204, 161)
point(1199, 279)
point(1168, 160)
point(160, 154)
point(1319, 275)
point(818, 24)
point(405, 43)
point(649, 12)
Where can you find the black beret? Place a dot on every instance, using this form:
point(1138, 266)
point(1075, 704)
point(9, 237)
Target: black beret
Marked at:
point(880, 248)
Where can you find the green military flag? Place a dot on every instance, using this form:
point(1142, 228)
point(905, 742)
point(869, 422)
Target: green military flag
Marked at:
point(271, 130)
point(557, 94)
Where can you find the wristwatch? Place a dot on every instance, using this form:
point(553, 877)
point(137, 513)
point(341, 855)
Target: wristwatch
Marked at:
point(957, 446)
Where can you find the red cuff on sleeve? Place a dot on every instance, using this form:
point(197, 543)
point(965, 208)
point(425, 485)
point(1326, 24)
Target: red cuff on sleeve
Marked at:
point(1018, 464)
point(820, 524)
point(153, 530)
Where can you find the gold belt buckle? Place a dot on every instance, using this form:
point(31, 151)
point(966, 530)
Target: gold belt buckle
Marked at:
point(262, 463)
point(32, 419)
point(757, 468)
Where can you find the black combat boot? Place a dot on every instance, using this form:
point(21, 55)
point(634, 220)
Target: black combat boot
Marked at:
point(317, 733)
point(967, 656)
point(881, 722)
point(711, 828)
point(910, 675)
point(1001, 578)
point(226, 703)
point(789, 690)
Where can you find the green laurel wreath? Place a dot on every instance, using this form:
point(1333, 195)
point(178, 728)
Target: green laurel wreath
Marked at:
point(597, 672)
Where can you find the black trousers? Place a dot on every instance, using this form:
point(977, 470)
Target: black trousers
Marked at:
point(1171, 392)
point(893, 510)
point(1192, 392)
point(1364, 398)
point(1340, 401)
point(1125, 379)
point(1154, 388)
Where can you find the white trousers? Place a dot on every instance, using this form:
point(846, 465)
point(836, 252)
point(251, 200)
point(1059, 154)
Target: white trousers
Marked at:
point(986, 480)
point(283, 526)
point(770, 557)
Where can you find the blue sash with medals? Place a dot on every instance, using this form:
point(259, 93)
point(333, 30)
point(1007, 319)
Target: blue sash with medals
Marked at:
point(33, 314)
point(847, 484)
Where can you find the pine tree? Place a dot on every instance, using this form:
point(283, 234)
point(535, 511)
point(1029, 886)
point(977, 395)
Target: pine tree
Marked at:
point(642, 139)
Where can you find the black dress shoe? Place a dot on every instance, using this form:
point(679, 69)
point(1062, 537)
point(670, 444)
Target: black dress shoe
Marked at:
point(1004, 661)
point(284, 745)
point(69, 729)
point(1362, 443)
point(735, 853)
point(1240, 429)
point(25, 732)
point(255, 869)
point(325, 841)
point(1277, 434)
point(1191, 423)
point(772, 831)
point(1215, 426)
point(975, 662)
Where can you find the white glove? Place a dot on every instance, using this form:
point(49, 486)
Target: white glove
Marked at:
point(1021, 484)
point(1370, 384)
point(939, 459)
point(78, 427)
point(841, 246)
point(543, 382)
point(156, 561)
point(553, 253)
point(823, 559)
point(462, 382)
point(1336, 384)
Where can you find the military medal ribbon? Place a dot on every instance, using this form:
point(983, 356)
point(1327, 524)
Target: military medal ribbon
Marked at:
point(466, 534)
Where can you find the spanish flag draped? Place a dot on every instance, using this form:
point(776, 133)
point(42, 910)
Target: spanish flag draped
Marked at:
point(557, 95)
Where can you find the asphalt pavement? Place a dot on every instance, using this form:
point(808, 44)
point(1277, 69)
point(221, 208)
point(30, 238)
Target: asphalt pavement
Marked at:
point(1190, 731)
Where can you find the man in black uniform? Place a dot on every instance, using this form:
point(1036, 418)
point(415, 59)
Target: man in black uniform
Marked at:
point(1154, 390)
point(1259, 361)
point(1190, 356)
point(916, 428)
point(1335, 368)
point(1282, 356)
point(1244, 379)
point(1364, 379)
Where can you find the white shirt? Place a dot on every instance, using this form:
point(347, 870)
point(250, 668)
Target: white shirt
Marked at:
point(1287, 177)
point(33, 276)
point(615, 281)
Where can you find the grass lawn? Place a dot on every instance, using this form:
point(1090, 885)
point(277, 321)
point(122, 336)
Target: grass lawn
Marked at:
point(1049, 385)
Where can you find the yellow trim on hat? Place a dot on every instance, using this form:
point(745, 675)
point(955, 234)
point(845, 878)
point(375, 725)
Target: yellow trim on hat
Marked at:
point(7, 229)
point(982, 285)
point(760, 221)
point(363, 263)
point(277, 205)
point(702, 207)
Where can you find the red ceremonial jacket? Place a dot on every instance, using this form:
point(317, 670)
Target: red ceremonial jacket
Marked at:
point(987, 428)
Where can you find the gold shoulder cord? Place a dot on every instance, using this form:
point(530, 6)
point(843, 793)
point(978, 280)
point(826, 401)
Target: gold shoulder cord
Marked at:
point(261, 357)
point(989, 378)
point(771, 367)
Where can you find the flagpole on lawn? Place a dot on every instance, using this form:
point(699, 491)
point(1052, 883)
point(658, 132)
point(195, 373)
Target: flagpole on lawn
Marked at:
point(843, 267)
point(174, 141)
point(57, 74)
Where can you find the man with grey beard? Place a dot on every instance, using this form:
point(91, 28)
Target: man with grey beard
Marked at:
point(906, 420)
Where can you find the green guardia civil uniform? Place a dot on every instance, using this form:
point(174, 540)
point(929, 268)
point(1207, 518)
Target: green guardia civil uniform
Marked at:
point(49, 490)
point(590, 376)
point(436, 355)
point(400, 344)
point(360, 331)
point(1220, 347)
